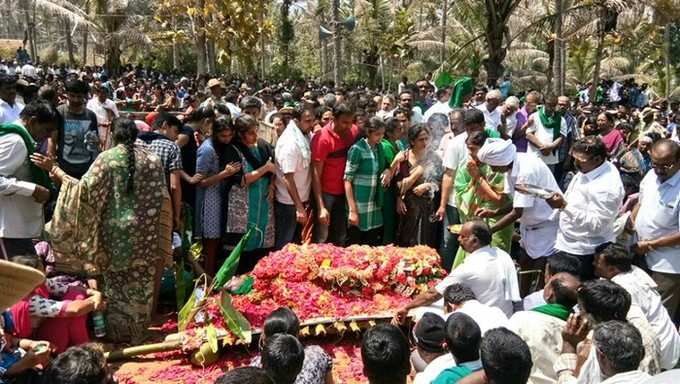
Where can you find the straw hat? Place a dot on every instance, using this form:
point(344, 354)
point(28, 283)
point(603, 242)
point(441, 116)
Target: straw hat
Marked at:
point(215, 83)
point(17, 281)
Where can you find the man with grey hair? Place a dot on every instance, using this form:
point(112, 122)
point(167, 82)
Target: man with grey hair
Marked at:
point(510, 115)
point(492, 114)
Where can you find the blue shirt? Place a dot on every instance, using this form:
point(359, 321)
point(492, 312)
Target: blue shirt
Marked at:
point(454, 374)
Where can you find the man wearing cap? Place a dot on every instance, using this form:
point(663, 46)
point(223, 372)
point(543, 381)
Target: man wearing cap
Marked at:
point(538, 227)
point(252, 106)
point(648, 123)
point(216, 87)
point(430, 357)
point(9, 107)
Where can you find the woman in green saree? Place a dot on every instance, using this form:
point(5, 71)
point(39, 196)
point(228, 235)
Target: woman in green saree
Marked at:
point(391, 146)
point(251, 195)
point(479, 193)
point(115, 224)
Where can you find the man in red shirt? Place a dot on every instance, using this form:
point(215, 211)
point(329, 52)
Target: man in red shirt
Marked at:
point(329, 155)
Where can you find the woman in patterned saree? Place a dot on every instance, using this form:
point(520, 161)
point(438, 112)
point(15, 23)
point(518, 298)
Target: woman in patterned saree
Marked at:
point(250, 199)
point(115, 224)
point(479, 193)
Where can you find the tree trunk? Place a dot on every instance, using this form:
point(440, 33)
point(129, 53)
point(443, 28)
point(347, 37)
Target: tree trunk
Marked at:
point(598, 58)
point(558, 65)
point(494, 63)
point(337, 44)
point(175, 49)
point(212, 62)
point(445, 11)
point(199, 43)
point(667, 61)
point(86, 9)
point(69, 43)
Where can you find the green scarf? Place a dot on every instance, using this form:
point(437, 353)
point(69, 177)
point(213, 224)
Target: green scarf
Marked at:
point(38, 176)
point(461, 88)
point(553, 122)
point(554, 310)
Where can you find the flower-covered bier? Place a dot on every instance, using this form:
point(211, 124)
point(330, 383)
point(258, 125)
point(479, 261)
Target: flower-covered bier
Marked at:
point(324, 281)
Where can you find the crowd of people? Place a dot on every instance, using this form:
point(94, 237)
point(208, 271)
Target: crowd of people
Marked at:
point(557, 217)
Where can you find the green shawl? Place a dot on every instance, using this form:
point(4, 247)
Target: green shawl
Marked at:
point(554, 310)
point(553, 122)
point(461, 88)
point(38, 175)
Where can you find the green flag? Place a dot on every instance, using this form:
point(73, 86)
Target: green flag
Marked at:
point(443, 80)
point(462, 88)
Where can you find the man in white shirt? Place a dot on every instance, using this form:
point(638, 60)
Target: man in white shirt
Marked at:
point(491, 110)
point(454, 155)
point(546, 129)
point(105, 110)
point(489, 272)
point(527, 177)
point(23, 188)
point(541, 328)
point(460, 299)
point(657, 221)
point(590, 205)
point(10, 108)
point(441, 106)
point(615, 263)
point(293, 177)
point(28, 70)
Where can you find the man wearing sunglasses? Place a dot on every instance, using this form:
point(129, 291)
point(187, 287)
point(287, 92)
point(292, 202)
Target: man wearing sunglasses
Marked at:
point(657, 221)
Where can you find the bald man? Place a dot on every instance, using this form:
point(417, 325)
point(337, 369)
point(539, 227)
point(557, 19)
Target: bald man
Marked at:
point(492, 114)
point(657, 221)
point(541, 328)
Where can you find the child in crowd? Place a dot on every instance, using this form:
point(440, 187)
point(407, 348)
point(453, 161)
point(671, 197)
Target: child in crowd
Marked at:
point(55, 311)
point(20, 359)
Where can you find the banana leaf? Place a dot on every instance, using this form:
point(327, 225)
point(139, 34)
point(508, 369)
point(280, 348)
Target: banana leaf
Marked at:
point(237, 323)
point(228, 269)
point(184, 316)
point(211, 335)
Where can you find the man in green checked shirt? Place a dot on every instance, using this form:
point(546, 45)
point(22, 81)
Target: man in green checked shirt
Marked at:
point(366, 172)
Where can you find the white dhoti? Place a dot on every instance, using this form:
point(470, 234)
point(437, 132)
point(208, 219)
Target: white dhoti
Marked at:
point(539, 240)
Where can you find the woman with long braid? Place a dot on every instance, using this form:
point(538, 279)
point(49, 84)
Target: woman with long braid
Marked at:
point(114, 224)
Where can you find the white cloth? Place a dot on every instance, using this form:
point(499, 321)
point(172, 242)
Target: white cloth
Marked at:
point(538, 226)
point(490, 273)
point(533, 300)
point(492, 119)
point(29, 71)
point(438, 107)
point(630, 377)
point(659, 216)
point(455, 155)
point(486, 317)
point(593, 201)
point(20, 216)
point(100, 109)
point(511, 124)
point(643, 293)
point(497, 152)
point(290, 157)
point(443, 144)
point(9, 113)
point(433, 369)
point(545, 136)
point(543, 335)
